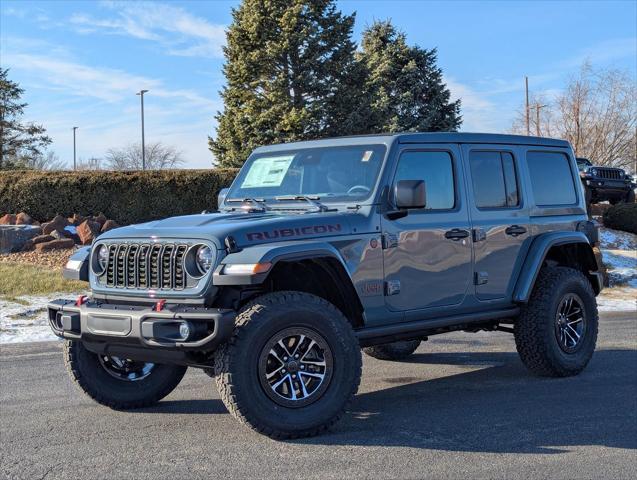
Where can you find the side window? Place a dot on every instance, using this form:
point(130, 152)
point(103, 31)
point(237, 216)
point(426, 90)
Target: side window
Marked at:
point(494, 181)
point(551, 178)
point(436, 169)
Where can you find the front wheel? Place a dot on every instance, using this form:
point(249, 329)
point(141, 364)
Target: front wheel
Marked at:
point(292, 366)
point(556, 331)
point(119, 383)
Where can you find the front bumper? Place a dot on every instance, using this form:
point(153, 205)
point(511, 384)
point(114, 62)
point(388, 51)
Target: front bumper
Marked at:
point(138, 331)
point(608, 187)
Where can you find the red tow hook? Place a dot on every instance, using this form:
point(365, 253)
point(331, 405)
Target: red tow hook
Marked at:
point(81, 300)
point(159, 306)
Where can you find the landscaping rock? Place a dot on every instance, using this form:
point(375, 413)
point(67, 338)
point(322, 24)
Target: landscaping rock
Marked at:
point(55, 245)
point(59, 235)
point(76, 219)
point(28, 246)
point(109, 225)
point(58, 223)
point(87, 231)
point(101, 219)
point(14, 237)
point(8, 219)
point(23, 219)
point(42, 239)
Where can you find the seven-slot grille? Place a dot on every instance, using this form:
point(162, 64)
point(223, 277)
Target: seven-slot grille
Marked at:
point(146, 266)
point(610, 173)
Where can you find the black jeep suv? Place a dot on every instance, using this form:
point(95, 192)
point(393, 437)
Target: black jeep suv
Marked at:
point(605, 183)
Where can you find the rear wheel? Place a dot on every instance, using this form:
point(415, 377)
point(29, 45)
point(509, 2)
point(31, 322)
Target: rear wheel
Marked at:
point(119, 383)
point(393, 351)
point(556, 331)
point(292, 366)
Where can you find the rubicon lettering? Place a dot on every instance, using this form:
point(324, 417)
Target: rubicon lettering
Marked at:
point(294, 232)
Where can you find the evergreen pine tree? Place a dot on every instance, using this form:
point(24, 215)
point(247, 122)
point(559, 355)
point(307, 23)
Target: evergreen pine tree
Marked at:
point(405, 85)
point(291, 75)
point(20, 143)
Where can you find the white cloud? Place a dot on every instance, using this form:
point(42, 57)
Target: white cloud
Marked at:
point(101, 101)
point(106, 84)
point(183, 33)
point(604, 52)
point(479, 113)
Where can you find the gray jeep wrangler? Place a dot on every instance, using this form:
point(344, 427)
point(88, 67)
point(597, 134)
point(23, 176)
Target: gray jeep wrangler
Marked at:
point(320, 248)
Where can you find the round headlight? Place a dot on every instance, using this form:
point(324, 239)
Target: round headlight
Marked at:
point(205, 258)
point(102, 256)
point(100, 260)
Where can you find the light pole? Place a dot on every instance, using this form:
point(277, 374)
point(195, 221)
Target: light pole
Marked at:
point(528, 123)
point(141, 94)
point(74, 161)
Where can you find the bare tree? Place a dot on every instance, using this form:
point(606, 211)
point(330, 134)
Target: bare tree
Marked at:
point(596, 113)
point(48, 160)
point(158, 156)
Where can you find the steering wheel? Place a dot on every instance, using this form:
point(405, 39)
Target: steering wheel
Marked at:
point(362, 188)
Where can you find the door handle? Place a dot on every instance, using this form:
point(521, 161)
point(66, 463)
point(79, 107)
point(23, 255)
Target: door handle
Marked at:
point(456, 234)
point(515, 230)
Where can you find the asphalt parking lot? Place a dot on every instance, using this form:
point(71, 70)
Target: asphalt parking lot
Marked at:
point(462, 406)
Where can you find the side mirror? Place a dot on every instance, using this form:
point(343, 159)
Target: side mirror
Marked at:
point(222, 196)
point(410, 194)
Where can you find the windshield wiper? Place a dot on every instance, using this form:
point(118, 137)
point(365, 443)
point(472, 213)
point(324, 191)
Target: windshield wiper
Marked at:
point(311, 199)
point(259, 202)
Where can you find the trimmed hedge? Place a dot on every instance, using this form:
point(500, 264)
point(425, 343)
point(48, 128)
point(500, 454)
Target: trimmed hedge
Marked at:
point(622, 216)
point(126, 197)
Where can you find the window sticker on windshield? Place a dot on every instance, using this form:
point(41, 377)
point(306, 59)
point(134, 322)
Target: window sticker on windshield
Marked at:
point(267, 172)
point(367, 155)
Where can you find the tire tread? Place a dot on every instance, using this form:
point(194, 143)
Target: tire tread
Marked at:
point(248, 320)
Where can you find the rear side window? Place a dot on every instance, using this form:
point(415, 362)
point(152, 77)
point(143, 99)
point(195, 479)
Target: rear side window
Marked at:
point(494, 180)
point(551, 178)
point(436, 169)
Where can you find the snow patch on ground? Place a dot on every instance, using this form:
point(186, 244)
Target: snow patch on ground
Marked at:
point(25, 319)
point(619, 251)
point(622, 299)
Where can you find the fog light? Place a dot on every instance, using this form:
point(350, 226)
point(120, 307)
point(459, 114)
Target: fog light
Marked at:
point(185, 329)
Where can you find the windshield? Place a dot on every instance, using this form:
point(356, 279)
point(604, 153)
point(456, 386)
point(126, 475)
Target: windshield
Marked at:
point(330, 174)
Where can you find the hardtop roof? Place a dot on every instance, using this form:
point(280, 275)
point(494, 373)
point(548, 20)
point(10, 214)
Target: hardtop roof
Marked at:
point(428, 137)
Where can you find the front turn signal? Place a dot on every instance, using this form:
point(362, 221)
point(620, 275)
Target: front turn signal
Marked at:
point(246, 268)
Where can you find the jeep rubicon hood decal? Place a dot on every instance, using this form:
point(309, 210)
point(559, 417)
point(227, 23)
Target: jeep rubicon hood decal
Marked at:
point(245, 228)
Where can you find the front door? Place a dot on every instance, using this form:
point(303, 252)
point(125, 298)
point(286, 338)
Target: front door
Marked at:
point(499, 215)
point(427, 253)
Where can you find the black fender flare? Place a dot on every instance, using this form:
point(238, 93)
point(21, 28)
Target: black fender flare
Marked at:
point(537, 253)
point(272, 254)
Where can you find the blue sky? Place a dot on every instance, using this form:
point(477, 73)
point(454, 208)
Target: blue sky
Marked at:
point(81, 62)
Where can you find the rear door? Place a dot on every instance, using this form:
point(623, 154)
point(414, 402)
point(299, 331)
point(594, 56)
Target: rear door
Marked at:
point(500, 218)
point(427, 253)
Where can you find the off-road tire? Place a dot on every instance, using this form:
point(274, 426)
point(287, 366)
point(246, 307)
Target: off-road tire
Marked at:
point(534, 330)
point(236, 365)
point(89, 375)
point(393, 351)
